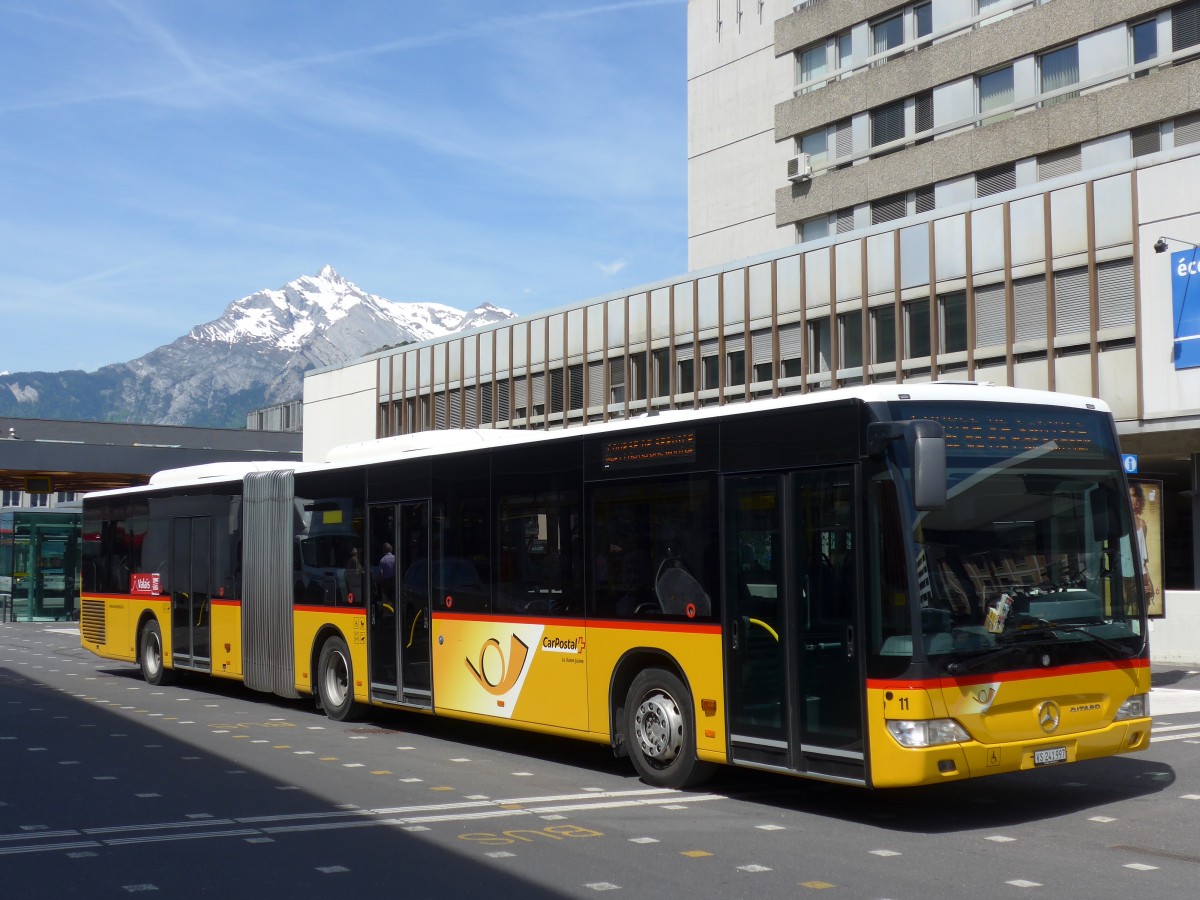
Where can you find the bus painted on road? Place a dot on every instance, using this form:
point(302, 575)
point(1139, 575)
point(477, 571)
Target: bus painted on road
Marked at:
point(880, 586)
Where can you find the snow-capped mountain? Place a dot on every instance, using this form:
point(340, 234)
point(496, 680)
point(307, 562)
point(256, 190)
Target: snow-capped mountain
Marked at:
point(254, 355)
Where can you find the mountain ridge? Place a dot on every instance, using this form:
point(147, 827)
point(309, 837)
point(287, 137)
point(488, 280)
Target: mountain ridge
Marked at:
point(254, 354)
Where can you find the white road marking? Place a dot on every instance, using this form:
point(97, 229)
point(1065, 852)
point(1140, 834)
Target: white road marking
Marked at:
point(1173, 701)
point(412, 818)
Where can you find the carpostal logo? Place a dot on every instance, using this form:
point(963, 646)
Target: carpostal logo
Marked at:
point(562, 645)
point(496, 672)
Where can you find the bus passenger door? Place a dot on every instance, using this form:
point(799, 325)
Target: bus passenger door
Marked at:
point(823, 541)
point(399, 603)
point(756, 624)
point(189, 573)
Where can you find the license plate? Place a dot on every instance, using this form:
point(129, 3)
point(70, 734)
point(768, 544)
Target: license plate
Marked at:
point(1049, 756)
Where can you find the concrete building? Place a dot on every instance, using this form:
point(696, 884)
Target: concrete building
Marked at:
point(996, 190)
point(287, 416)
point(45, 463)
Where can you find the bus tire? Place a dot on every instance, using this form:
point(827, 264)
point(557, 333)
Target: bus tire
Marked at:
point(150, 655)
point(660, 733)
point(335, 680)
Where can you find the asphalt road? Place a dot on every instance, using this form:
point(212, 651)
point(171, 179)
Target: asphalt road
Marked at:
point(110, 787)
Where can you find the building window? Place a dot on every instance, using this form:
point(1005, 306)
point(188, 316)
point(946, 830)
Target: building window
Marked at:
point(662, 372)
point(816, 145)
point(850, 326)
point(883, 334)
point(735, 365)
point(1143, 40)
point(12, 498)
point(1066, 161)
point(819, 344)
point(1059, 69)
point(1185, 25)
point(790, 351)
point(814, 65)
point(888, 209)
point(637, 372)
point(1146, 140)
point(687, 374)
point(953, 321)
point(996, 181)
point(1187, 129)
point(887, 123)
point(762, 366)
point(616, 380)
point(925, 199)
point(923, 19)
point(887, 34)
point(1029, 309)
point(983, 7)
point(845, 50)
point(995, 92)
point(814, 229)
point(916, 329)
point(710, 366)
point(36, 500)
point(924, 113)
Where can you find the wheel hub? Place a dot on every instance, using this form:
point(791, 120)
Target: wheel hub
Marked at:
point(658, 728)
point(337, 682)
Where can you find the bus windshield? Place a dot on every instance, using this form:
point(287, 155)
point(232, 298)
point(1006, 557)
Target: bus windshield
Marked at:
point(1032, 559)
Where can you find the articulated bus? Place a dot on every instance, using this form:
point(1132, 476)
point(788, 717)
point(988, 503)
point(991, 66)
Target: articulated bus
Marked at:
point(879, 586)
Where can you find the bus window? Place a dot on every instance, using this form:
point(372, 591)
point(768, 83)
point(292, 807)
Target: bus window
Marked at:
point(327, 555)
point(461, 539)
point(890, 620)
point(539, 553)
point(653, 549)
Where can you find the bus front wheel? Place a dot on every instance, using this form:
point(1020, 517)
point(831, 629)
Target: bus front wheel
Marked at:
point(150, 655)
point(335, 680)
point(660, 733)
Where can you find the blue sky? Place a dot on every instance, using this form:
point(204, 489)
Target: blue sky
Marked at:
point(162, 158)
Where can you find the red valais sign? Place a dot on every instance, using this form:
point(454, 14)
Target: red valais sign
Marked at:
point(145, 583)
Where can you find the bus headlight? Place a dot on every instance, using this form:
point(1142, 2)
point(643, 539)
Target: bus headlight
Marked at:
point(1136, 707)
point(927, 732)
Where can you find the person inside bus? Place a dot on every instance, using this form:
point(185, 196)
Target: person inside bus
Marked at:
point(385, 578)
point(387, 563)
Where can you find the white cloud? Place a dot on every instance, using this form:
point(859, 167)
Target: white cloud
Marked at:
point(612, 268)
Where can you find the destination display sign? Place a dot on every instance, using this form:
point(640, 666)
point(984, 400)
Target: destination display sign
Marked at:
point(650, 450)
point(1007, 429)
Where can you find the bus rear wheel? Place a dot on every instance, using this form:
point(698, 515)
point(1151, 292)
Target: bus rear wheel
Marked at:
point(150, 655)
point(660, 733)
point(335, 680)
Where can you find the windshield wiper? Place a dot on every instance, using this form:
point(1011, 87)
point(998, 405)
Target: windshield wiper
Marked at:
point(1014, 640)
point(1041, 627)
point(959, 666)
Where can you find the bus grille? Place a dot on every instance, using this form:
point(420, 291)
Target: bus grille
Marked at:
point(91, 621)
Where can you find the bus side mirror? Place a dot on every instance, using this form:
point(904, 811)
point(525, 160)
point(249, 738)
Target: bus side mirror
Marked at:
point(926, 443)
point(929, 466)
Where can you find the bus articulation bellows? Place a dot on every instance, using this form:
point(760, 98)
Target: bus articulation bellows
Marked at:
point(881, 586)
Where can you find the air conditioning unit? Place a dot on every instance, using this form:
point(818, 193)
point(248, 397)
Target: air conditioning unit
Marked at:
point(799, 167)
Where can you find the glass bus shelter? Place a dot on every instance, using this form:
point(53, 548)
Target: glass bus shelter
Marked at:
point(39, 563)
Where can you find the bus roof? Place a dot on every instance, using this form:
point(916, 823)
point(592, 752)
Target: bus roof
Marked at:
point(459, 440)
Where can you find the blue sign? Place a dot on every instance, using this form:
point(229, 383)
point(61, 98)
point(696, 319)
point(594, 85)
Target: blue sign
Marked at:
point(1130, 462)
point(1185, 299)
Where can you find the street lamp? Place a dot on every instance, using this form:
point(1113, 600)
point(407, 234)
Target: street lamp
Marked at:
point(1160, 246)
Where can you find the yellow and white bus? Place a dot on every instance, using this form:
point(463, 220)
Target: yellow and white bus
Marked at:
point(881, 586)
